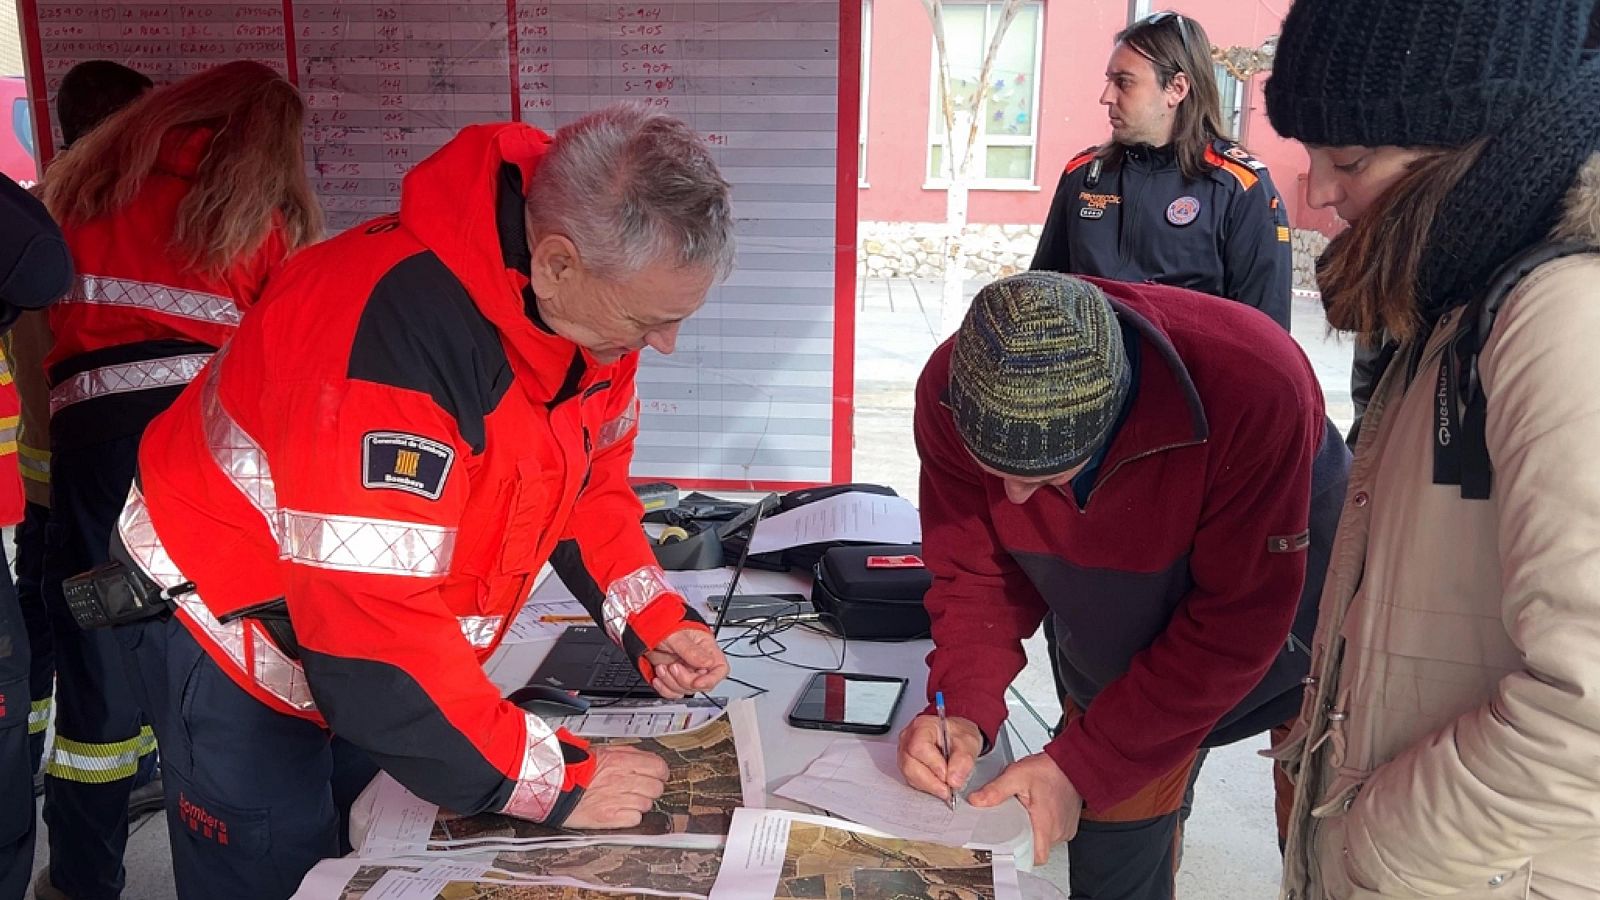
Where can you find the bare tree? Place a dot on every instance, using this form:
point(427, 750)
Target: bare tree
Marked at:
point(961, 121)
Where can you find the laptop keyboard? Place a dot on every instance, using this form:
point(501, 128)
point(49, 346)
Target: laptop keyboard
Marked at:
point(613, 670)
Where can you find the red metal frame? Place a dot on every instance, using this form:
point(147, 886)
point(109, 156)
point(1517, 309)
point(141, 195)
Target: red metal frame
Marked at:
point(33, 69)
point(290, 49)
point(844, 255)
point(514, 63)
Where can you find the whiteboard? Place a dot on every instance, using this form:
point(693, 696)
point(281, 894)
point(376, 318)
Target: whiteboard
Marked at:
point(756, 394)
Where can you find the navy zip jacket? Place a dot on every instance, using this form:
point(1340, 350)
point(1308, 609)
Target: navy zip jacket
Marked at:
point(1173, 587)
point(1131, 215)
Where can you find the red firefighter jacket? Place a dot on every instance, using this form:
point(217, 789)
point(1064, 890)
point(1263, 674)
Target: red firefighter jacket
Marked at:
point(394, 445)
point(141, 320)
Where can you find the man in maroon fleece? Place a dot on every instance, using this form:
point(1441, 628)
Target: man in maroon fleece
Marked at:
point(1139, 461)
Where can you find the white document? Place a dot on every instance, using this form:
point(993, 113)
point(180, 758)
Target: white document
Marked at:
point(425, 883)
point(766, 847)
point(853, 516)
point(860, 780)
point(700, 586)
point(545, 620)
point(398, 821)
point(643, 719)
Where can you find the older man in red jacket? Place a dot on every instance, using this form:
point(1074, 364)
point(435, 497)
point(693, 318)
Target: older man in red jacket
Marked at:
point(1139, 461)
point(352, 502)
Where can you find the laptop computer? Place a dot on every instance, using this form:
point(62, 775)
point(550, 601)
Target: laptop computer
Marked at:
point(585, 660)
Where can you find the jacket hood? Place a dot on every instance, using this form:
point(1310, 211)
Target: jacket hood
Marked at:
point(1580, 221)
point(458, 203)
point(183, 150)
point(465, 203)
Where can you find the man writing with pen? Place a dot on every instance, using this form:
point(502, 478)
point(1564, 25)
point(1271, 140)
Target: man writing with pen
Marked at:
point(1151, 466)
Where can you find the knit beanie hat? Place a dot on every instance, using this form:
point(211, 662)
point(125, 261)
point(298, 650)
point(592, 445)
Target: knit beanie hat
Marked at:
point(1415, 73)
point(1445, 73)
point(1038, 373)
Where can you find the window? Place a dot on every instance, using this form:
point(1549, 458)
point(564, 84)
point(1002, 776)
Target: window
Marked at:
point(1232, 91)
point(1138, 9)
point(866, 67)
point(1003, 155)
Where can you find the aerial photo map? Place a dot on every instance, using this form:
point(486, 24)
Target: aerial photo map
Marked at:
point(678, 869)
point(824, 863)
point(367, 877)
point(701, 794)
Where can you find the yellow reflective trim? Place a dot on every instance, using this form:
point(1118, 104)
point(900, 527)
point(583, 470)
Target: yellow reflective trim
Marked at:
point(147, 741)
point(9, 448)
point(39, 715)
point(36, 453)
point(89, 763)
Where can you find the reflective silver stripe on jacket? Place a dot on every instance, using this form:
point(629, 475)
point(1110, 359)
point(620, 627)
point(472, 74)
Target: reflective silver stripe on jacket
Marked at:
point(236, 453)
point(371, 546)
point(630, 594)
point(324, 540)
point(247, 648)
point(618, 428)
point(480, 630)
point(171, 301)
point(543, 769)
point(127, 377)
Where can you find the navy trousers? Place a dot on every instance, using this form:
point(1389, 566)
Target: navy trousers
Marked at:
point(16, 768)
point(29, 538)
point(102, 748)
point(254, 797)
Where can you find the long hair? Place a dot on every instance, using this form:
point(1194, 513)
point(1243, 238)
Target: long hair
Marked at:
point(1176, 43)
point(1368, 274)
point(253, 171)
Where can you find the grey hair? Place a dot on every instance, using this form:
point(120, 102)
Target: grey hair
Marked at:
point(629, 186)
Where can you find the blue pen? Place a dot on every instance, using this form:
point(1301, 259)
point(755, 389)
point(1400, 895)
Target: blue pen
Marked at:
point(944, 741)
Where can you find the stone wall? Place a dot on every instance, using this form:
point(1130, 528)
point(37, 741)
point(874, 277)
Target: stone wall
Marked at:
point(914, 250)
point(1308, 245)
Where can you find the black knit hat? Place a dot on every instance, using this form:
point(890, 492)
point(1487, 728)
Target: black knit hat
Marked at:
point(1415, 73)
point(1038, 373)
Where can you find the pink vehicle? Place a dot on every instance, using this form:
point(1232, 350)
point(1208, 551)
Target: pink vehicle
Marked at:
point(18, 152)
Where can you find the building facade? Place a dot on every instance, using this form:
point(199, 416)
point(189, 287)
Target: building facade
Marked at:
point(1044, 110)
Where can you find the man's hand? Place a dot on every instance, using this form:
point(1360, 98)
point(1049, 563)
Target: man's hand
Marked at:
point(1053, 804)
point(922, 755)
point(626, 784)
point(686, 661)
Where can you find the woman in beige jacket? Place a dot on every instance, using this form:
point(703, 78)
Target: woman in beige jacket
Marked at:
point(1449, 745)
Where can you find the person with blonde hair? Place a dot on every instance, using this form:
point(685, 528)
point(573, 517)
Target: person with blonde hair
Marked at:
point(175, 210)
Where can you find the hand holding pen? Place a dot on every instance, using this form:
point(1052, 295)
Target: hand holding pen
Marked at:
point(937, 756)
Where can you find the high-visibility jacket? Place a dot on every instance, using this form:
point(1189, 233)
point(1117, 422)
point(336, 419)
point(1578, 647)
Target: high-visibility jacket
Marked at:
point(12, 500)
point(387, 453)
point(35, 270)
point(142, 320)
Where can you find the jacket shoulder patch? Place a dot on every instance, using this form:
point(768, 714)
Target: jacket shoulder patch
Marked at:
point(1227, 160)
point(1082, 159)
point(401, 461)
